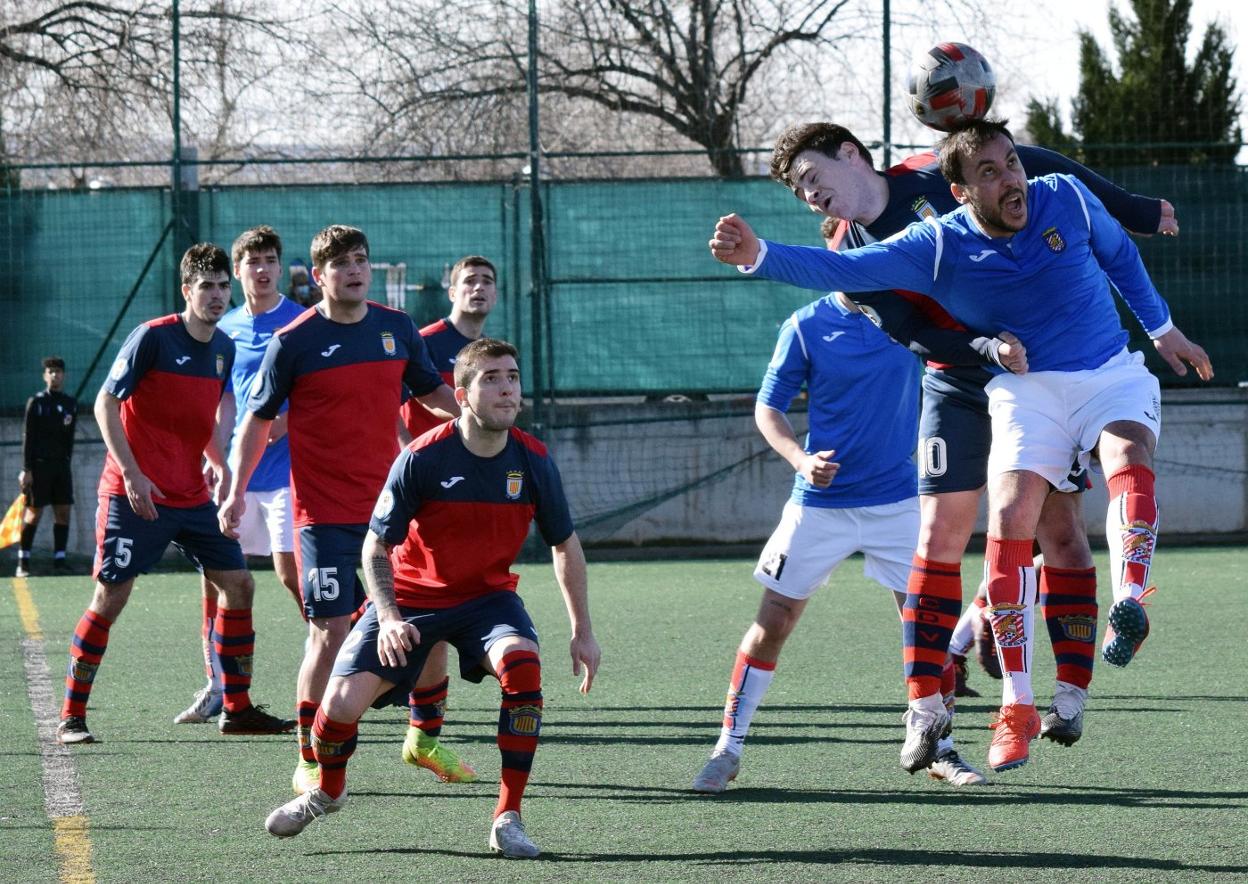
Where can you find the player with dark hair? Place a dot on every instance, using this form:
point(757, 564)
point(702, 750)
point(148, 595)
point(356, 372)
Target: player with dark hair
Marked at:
point(157, 413)
point(447, 528)
point(342, 366)
point(1015, 244)
point(831, 172)
point(47, 475)
point(267, 528)
point(473, 294)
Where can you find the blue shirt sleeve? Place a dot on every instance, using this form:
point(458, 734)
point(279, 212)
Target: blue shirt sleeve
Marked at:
point(399, 500)
point(907, 261)
point(1139, 214)
point(554, 521)
point(1120, 260)
point(788, 369)
point(135, 359)
point(271, 387)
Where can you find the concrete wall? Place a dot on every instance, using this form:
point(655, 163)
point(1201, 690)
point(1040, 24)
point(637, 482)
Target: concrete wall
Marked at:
point(641, 458)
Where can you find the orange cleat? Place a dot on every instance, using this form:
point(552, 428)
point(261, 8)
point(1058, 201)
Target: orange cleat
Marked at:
point(1016, 726)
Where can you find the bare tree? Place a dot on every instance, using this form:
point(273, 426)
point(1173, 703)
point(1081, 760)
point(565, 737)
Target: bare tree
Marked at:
point(688, 65)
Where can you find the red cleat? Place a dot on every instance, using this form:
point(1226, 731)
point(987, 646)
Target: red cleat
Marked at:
point(1016, 726)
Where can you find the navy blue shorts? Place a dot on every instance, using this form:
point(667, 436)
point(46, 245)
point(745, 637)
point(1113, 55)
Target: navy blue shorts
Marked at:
point(472, 628)
point(327, 557)
point(127, 546)
point(955, 434)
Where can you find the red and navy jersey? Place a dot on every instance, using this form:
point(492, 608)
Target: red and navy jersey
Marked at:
point(457, 521)
point(444, 342)
point(344, 383)
point(169, 385)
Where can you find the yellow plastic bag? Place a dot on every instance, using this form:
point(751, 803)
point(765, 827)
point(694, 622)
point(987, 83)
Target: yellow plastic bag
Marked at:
point(11, 527)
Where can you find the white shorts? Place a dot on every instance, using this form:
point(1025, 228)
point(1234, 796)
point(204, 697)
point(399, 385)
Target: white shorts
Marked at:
point(810, 542)
point(1045, 421)
point(268, 525)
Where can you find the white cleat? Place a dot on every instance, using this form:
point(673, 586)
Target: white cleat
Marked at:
point(927, 721)
point(205, 708)
point(507, 836)
point(720, 770)
point(950, 767)
point(295, 815)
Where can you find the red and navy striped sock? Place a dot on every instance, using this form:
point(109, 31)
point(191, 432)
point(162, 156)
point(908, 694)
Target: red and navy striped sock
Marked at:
point(933, 606)
point(519, 724)
point(235, 643)
point(305, 713)
point(428, 706)
point(85, 652)
point(333, 743)
point(1068, 605)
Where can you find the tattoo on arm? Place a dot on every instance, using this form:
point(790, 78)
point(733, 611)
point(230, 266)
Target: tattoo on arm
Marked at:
point(379, 578)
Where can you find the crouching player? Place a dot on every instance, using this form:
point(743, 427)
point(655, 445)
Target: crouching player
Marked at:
point(447, 528)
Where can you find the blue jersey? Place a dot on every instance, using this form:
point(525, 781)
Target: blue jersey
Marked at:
point(864, 403)
point(251, 335)
point(1049, 283)
point(457, 521)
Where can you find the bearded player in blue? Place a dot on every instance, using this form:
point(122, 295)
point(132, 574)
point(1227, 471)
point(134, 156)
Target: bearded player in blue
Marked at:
point(1036, 259)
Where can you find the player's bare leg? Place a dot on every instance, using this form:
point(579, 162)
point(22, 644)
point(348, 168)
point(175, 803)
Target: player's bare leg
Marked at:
point(325, 637)
point(1067, 595)
point(427, 701)
point(752, 672)
point(288, 575)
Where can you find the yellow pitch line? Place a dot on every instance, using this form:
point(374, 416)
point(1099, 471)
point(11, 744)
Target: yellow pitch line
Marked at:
point(69, 824)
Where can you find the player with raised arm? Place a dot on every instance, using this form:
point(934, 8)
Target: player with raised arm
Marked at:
point(157, 413)
point(267, 527)
point(445, 533)
point(1012, 245)
point(830, 171)
point(342, 365)
point(863, 411)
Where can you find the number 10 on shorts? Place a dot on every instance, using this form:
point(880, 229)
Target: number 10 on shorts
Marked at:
point(324, 583)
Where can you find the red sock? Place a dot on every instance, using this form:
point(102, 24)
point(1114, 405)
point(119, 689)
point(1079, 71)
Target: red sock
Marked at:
point(1006, 564)
point(85, 652)
point(1133, 513)
point(235, 642)
point(333, 743)
point(305, 712)
point(933, 605)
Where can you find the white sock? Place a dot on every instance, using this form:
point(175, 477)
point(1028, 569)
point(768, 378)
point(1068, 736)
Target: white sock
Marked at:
point(1069, 699)
point(964, 633)
point(745, 692)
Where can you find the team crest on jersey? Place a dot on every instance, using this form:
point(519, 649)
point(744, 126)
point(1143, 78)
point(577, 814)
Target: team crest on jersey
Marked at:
point(1008, 625)
point(387, 343)
point(118, 371)
point(515, 484)
point(220, 364)
point(68, 419)
point(1053, 237)
point(525, 721)
point(1078, 627)
point(385, 503)
point(923, 209)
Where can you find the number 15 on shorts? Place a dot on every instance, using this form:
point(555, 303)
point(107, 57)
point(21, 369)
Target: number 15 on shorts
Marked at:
point(324, 583)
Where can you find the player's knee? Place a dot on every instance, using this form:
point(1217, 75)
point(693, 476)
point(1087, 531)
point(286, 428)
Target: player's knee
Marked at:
point(520, 674)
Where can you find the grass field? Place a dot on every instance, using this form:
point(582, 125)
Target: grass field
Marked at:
point(1154, 790)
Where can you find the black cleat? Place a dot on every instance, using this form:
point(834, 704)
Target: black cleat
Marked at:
point(253, 720)
point(73, 729)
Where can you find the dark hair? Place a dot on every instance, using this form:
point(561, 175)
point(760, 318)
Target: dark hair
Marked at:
point(53, 362)
point(257, 239)
point(963, 142)
point(827, 228)
point(825, 138)
point(471, 261)
point(468, 361)
point(334, 241)
point(204, 258)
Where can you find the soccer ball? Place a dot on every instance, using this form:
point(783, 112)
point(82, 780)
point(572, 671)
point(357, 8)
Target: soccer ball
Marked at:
point(951, 83)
